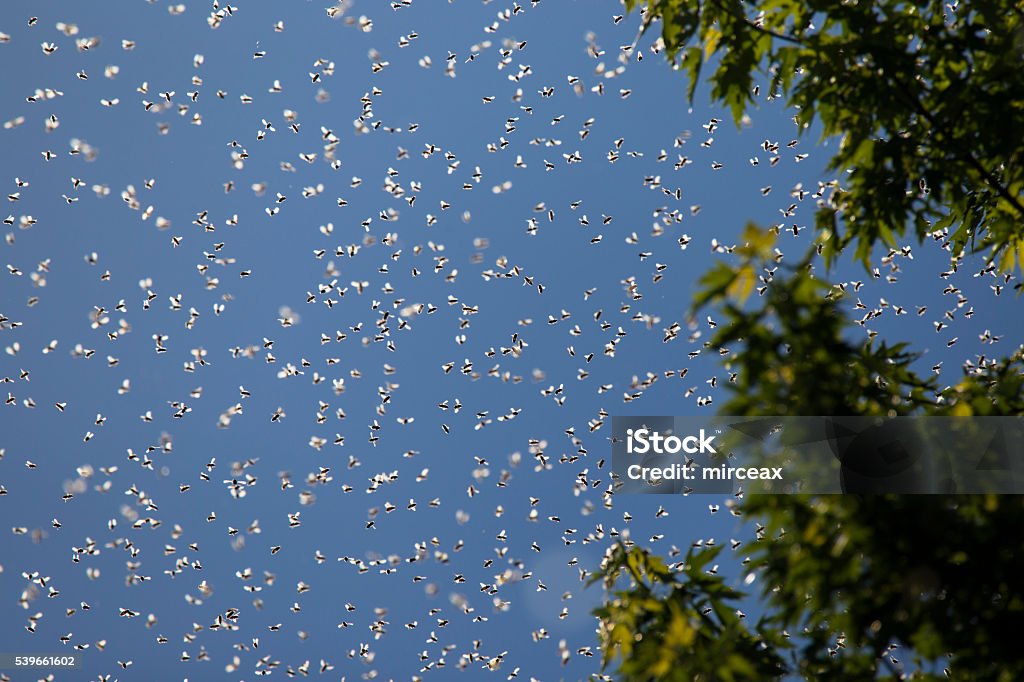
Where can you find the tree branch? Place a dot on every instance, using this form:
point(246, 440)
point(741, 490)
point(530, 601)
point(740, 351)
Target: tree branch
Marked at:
point(987, 175)
point(757, 27)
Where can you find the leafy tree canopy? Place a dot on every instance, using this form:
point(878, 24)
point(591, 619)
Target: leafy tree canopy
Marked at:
point(794, 354)
point(925, 98)
point(852, 587)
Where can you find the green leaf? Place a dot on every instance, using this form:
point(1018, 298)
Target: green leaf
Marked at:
point(741, 285)
point(713, 284)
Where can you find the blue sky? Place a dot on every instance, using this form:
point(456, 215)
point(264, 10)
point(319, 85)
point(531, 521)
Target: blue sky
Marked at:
point(191, 164)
